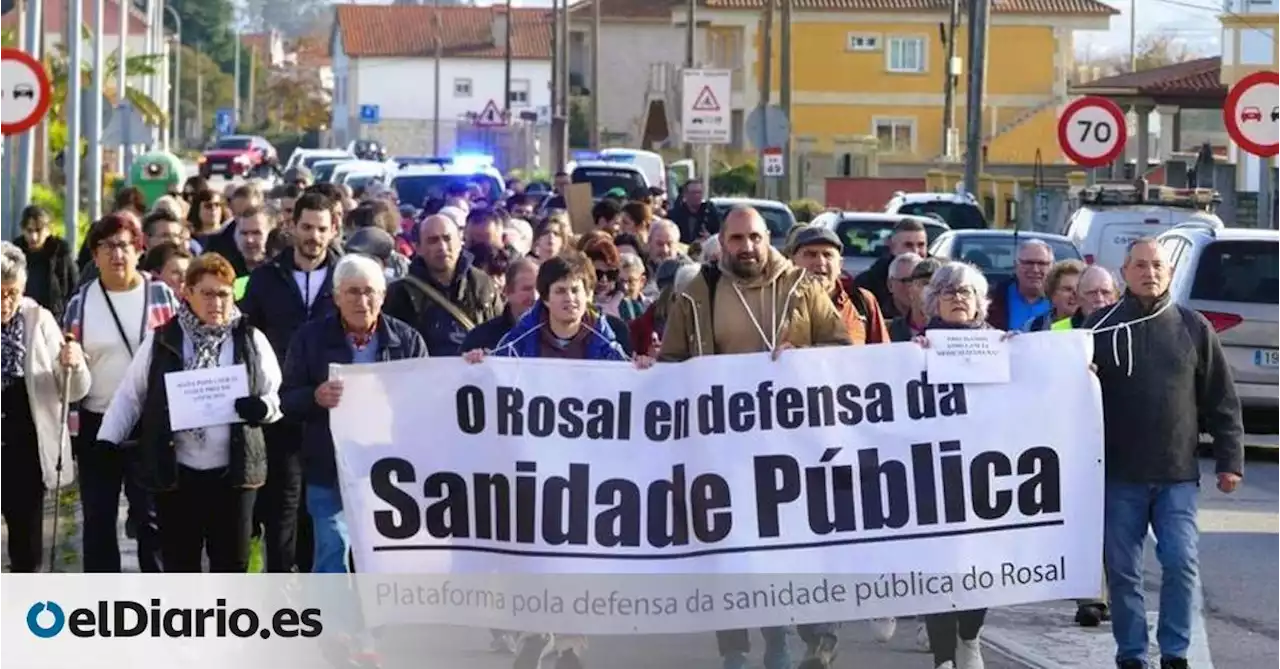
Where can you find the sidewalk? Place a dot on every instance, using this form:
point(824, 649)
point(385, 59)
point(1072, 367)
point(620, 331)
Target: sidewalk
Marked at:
point(68, 553)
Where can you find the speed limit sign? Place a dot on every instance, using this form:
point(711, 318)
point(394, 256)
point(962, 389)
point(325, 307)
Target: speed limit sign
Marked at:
point(1092, 131)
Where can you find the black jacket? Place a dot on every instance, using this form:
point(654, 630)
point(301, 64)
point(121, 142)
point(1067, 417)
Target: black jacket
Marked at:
point(318, 344)
point(157, 459)
point(487, 335)
point(876, 280)
point(274, 304)
point(471, 290)
point(1164, 381)
point(52, 274)
point(693, 223)
point(223, 242)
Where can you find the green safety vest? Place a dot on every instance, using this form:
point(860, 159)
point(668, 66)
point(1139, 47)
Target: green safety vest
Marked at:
point(242, 282)
point(1064, 324)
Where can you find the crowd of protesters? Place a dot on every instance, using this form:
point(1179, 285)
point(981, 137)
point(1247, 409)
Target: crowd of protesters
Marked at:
point(290, 281)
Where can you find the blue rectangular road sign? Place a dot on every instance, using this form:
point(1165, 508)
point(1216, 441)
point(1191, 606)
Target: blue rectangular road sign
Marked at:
point(370, 114)
point(224, 121)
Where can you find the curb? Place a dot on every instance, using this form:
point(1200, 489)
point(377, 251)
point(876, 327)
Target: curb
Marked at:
point(1004, 644)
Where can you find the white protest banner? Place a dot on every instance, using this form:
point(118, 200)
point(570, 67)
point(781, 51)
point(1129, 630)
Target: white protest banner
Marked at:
point(724, 492)
point(967, 356)
point(204, 397)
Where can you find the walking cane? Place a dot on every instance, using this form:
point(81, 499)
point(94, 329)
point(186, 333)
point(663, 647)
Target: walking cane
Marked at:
point(62, 437)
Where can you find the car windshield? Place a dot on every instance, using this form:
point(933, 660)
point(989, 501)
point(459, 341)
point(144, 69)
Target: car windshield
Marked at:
point(233, 143)
point(957, 215)
point(870, 238)
point(324, 171)
point(778, 220)
point(995, 254)
point(1238, 271)
point(604, 179)
point(310, 161)
point(416, 189)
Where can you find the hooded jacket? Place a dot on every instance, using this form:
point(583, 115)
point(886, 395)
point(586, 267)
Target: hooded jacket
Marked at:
point(1164, 381)
point(525, 340)
point(718, 312)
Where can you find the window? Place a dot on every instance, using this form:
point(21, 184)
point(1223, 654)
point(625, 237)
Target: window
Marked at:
point(905, 54)
point(461, 88)
point(1238, 271)
point(896, 135)
point(519, 93)
point(862, 42)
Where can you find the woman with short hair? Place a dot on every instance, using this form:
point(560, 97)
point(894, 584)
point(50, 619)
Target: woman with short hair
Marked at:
point(1060, 286)
point(52, 272)
point(37, 365)
point(205, 479)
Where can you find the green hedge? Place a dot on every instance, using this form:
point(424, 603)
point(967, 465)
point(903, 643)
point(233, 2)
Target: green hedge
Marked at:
point(53, 202)
point(805, 210)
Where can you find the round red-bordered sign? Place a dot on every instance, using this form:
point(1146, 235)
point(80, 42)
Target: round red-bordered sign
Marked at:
point(1092, 131)
point(24, 85)
point(1252, 115)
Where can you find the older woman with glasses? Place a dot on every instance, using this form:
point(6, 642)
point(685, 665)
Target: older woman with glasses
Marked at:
point(205, 478)
point(955, 299)
point(38, 366)
point(1061, 287)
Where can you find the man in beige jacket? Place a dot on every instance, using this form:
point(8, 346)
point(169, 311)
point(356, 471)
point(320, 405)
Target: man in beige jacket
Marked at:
point(753, 300)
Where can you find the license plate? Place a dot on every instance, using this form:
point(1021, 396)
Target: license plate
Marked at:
point(217, 168)
point(1269, 358)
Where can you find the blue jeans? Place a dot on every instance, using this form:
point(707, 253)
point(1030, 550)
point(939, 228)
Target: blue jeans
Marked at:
point(1170, 510)
point(735, 644)
point(332, 542)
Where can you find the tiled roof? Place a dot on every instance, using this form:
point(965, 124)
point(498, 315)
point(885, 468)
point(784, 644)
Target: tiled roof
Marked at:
point(408, 30)
point(312, 51)
point(1199, 77)
point(628, 10)
point(1094, 7)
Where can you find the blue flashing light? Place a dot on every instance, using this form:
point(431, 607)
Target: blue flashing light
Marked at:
point(582, 156)
point(472, 161)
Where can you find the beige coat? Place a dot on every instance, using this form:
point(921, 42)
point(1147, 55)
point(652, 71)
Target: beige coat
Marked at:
point(44, 389)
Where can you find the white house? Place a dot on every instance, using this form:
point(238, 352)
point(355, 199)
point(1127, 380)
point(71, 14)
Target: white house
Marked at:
point(384, 59)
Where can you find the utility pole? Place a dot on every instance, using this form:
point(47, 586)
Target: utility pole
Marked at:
point(235, 100)
point(690, 46)
point(565, 86)
point(123, 110)
point(27, 140)
point(950, 138)
point(176, 114)
point(556, 112)
point(506, 65)
point(75, 113)
point(594, 135)
point(93, 161)
point(437, 28)
point(785, 100)
point(199, 94)
point(150, 82)
point(1133, 35)
point(766, 93)
point(252, 113)
point(979, 12)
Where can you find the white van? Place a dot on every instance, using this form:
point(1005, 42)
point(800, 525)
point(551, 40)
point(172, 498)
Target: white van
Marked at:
point(1111, 216)
point(652, 164)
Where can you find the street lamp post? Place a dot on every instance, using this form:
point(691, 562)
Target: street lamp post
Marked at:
point(176, 113)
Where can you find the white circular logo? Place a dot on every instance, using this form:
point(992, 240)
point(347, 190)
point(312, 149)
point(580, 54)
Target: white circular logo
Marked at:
point(1257, 114)
point(1091, 132)
point(21, 91)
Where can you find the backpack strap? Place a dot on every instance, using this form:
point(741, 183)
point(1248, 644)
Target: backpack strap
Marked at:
point(859, 303)
point(429, 292)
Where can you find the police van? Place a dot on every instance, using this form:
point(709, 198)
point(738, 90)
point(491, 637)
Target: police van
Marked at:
point(1111, 216)
point(421, 178)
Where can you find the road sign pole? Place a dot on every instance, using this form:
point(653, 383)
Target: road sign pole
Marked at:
point(93, 163)
point(75, 114)
point(26, 141)
point(7, 199)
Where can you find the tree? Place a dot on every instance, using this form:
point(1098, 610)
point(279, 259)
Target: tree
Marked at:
point(291, 18)
point(295, 103)
point(1153, 50)
point(203, 79)
point(207, 25)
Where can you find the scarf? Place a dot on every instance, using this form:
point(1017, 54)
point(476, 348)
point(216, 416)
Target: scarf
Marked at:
point(13, 340)
point(206, 345)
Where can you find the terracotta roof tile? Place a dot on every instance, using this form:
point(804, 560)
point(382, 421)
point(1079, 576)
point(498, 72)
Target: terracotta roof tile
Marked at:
point(312, 51)
point(1094, 7)
point(408, 30)
point(629, 10)
point(1199, 77)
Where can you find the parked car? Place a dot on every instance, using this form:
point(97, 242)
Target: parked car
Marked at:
point(866, 234)
point(960, 211)
point(1111, 216)
point(995, 251)
point(1230, 275)
point(238, 155)
point(309, 157)
point(777, 215)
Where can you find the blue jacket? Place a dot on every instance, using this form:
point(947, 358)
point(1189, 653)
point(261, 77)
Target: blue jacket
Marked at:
point(525, 339)
point(318, 344)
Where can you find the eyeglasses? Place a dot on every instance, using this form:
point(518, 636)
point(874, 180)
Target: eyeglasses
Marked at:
point(958, 293)
point(10, 294)
point(1098, 292)
point(361, 293)
point(118, 245)
point(217, 295)
point(1042, 264)
point(606, 275)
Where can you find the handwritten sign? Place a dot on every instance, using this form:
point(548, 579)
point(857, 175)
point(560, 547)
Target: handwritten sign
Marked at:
point(204, 397)
point(967, 356)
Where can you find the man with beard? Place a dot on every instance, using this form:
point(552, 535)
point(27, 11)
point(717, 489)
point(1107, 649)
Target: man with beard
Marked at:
point(818, 250)
point(1019, 301)
point(443, 296)
point(753, 300)
point(293, 288)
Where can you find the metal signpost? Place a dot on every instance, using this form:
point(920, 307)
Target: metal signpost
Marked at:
point(1251, 114)
point(704, 112)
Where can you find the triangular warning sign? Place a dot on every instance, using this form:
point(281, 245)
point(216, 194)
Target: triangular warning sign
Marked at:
point(706, 101)
point(490, 116)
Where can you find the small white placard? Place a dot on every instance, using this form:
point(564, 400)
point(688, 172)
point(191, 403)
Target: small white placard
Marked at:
point(204, 397)
point(967, 356)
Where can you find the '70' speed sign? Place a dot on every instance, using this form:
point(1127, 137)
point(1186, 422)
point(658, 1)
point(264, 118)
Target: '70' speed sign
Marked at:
point(1092, 131)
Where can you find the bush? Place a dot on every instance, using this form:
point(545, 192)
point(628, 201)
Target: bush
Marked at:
point(740, 180)
point(805, 210)
point(53, 202)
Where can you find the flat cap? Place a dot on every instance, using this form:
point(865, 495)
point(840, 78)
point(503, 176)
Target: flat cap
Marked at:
point(816, 234)
point(372, 242)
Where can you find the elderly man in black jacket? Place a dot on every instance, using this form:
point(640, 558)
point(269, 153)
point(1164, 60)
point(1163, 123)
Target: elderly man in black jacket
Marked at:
point(1164, 380)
